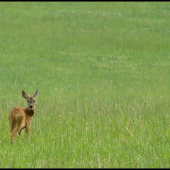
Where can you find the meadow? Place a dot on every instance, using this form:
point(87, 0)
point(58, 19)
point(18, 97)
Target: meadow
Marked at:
point(102, 70)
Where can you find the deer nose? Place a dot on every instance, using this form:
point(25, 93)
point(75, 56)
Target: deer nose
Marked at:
point(30, 107)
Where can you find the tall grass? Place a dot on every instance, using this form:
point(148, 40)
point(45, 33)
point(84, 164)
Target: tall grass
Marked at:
point(102, 70)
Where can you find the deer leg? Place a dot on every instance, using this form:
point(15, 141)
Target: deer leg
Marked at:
point(12, 126)
point(13, 135)
point(27, 131)
point(19, 133)
point(18, 130)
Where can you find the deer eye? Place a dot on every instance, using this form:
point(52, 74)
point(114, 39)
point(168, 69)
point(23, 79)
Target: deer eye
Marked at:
point(28, 101)
point(34, 100)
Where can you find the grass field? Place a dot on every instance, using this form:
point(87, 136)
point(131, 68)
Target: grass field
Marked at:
point(102, 70)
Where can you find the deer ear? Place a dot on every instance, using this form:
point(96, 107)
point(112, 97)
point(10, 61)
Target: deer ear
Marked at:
point(24, 94)
point(35, 94)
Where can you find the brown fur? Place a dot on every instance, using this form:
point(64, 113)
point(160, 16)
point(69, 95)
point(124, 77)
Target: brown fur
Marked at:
point(21, 117)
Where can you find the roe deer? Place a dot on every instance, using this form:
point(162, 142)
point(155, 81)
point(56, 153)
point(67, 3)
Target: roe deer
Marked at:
point(21, 117)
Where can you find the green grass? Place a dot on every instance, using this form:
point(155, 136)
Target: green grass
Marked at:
point(102, 70)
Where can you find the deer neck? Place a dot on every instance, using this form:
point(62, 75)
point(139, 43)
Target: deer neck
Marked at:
point(29, 112)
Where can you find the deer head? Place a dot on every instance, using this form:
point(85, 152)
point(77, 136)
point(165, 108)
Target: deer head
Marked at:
point(30, 100)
